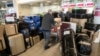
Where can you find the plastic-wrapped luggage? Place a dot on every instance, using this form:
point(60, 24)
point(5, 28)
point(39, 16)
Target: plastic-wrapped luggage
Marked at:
point(83, 45)
point(26, 35)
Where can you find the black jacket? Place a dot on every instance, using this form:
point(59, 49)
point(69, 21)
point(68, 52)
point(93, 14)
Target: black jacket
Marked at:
point(47, 22)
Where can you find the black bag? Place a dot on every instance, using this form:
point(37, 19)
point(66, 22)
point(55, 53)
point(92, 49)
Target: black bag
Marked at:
point(3, 54)
point(90, 26)
point(85, 49)
point(79, 11)
point(83, 45)
point(79, 16)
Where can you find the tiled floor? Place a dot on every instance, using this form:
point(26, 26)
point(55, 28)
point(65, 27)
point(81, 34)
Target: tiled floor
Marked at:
point(38, 50)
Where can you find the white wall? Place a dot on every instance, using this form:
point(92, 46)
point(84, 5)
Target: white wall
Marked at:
point(37, 10)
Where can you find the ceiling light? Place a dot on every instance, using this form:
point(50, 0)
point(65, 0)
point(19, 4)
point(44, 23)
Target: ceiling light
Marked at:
point(48, 1)
point(4, 1)
point(55, 3)
point(29, 1)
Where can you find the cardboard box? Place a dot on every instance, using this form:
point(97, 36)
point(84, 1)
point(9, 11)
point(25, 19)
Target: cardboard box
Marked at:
point(36, 39)
point(2, 43)
point(11, 29)
point(16, 44)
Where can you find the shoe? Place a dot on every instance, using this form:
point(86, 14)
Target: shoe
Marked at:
point(47, 47)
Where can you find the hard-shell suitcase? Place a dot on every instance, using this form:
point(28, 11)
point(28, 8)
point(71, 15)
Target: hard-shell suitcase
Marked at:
point(16, 44)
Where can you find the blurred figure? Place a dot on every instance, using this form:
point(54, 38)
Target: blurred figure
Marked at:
point(47, 23)
point(62, 15)
point(68, 15)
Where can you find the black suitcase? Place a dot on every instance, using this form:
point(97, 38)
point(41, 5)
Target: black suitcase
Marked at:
point(79, 16)
point(91, 26)
point(79, 11)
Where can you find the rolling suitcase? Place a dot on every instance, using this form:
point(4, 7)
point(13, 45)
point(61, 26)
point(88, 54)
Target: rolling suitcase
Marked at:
point(2, 40)
point(16, 44)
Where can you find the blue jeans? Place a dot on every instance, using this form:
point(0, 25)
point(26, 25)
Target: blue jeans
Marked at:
point(46, 34)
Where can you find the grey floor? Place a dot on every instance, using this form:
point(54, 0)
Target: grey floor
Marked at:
point(38, 50)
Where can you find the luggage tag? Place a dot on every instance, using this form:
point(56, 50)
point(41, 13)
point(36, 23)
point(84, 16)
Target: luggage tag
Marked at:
point(66, 32)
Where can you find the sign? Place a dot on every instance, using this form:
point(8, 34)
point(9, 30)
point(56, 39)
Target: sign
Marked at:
point(72, 5)
point(80, 5)
point(10, 19)
point(89, 4)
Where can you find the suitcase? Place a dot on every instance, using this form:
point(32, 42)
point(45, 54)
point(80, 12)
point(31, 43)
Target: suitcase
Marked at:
point(36, 39)
point(82, 22)
point(79, 16)
point(2, 40)
point(16, 44)
point(2, 44)
point(31, 40)
point(1, 30)
point(74, 20)
point(90, 26)
point(79, 11)
point(11, 29)
point(27, 42)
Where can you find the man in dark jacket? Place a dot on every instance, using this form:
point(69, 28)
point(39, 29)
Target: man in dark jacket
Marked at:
point(62, 15)
point(47, 24)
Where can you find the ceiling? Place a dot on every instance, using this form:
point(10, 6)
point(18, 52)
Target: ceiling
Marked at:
point(45, 2)
point(2, 2)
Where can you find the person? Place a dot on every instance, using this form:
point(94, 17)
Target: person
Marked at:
point(62, 15)
point(47, 23)
point(68, 15)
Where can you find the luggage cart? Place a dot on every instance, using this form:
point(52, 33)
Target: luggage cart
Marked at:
point(68, 46)
point(55, 34)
